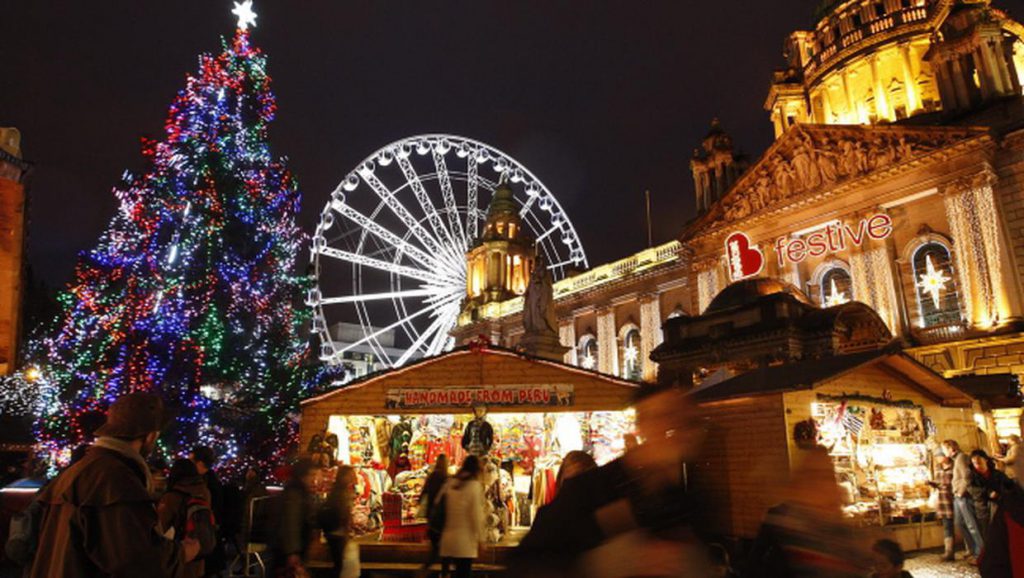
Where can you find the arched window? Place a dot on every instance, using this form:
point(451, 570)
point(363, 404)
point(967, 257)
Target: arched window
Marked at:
point(836, 287)
point(588, 352)
point(937, 298)
point(631, 362)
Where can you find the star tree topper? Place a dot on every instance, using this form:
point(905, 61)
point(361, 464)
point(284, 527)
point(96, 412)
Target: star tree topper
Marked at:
point(246, 15)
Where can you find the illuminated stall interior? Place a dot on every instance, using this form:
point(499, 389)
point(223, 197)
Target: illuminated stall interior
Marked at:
point(392, 426)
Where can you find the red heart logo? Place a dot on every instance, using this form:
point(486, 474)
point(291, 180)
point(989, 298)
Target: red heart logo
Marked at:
point(745, 258)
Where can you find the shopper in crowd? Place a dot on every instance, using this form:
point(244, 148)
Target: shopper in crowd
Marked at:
point(1012, 457)
point(428, 500)
point(632, 516)
point(334, 516)
point(806, 535)
point(573, 464)
point(943, 485)
point(1004, 545)
point(100, 519)
point(295, 523)
point(888, 560)
point(464, 529)
point(963, 503)
point(205, 459)
point(986, 484)
point(185, 512)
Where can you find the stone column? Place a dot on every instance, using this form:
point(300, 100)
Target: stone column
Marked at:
point(607, 342)
point(881, 100)
point(567, 337)
point(913, 98)
point(707, 288)
point(851, 105)
point(650, 333)
point(963, 97)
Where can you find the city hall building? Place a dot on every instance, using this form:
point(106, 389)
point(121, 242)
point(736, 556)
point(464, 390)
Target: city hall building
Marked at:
point(896, 180)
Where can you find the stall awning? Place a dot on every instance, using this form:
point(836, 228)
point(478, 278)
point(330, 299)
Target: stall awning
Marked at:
point(507, 380)
point(813, 373)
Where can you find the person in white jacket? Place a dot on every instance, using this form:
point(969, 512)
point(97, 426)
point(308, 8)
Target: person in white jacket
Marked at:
point(464, 529)
point(963, 503)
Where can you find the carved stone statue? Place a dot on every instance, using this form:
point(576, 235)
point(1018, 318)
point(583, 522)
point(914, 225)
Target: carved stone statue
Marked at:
point(539, 322)
point(539, 301)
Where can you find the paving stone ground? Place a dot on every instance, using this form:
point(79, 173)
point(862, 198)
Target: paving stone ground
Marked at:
point(930, 565)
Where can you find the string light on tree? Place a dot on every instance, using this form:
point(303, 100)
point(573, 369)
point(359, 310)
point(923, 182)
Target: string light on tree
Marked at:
point(192, 288)
point(933, 281)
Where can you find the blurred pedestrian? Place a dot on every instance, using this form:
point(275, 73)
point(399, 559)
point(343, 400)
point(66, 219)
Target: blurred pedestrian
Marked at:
point(986, 484)
point(1004, 546)
point(293, 530)
point(464, 530)
point(1012, 457)
point(963, 502)
point(632, 516)
point(943, 485)
point(184, 512)
point(428, 500)
point(888, 560)
point(573, 464)
point(805, 536)
point(334, 516)
point(100, 518)
point(205, 459)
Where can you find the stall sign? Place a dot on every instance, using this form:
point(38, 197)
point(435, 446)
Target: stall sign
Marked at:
point(468, 397)
point(745, 258)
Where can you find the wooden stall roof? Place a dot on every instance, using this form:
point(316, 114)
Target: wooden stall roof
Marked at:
point(812, 373)
point(470, 367)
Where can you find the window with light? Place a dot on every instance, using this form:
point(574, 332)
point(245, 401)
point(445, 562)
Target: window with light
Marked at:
point(588, 353)
point(836, 287)
point(631, 362)
point(936, 291)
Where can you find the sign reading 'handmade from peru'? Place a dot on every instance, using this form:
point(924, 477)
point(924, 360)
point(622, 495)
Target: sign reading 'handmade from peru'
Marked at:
point(467, 397)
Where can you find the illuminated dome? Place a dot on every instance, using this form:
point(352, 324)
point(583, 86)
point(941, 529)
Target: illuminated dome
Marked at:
point(878, 61)
point(750, 291)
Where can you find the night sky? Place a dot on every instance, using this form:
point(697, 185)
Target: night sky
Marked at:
point(600, 99)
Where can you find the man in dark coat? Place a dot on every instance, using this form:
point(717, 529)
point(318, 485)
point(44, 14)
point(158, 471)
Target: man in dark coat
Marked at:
point(100, 517)
point(204, 459)
point(635, 508)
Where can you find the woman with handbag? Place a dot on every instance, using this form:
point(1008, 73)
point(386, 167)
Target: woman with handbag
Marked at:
point(463, 501)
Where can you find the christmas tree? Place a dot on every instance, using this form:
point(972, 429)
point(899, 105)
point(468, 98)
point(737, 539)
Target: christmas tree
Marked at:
point(192, 290)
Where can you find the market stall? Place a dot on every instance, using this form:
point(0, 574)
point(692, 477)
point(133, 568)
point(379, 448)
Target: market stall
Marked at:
point(519, 414)
point(881, 415)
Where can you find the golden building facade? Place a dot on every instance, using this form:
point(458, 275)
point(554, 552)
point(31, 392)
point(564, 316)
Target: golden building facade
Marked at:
point(896, 180)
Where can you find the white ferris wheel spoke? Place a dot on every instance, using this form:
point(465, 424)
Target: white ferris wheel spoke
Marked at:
point(391, 327)
point(402, 246)
point(404, 271)
point(445, 180)
point(472, 184)
point(528, 204)
point(423, 199)
point(362, 297)
point(440, 324)
point(545, 234)
point(401, 212)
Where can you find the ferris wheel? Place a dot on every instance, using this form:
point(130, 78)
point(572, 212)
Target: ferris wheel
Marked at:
point(390, 249)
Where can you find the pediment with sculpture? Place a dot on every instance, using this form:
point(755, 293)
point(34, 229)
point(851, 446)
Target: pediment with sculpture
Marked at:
point(812, 160)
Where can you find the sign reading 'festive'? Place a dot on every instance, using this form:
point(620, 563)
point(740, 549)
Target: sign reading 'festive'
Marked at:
point(746, 259)
point(467, 397)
